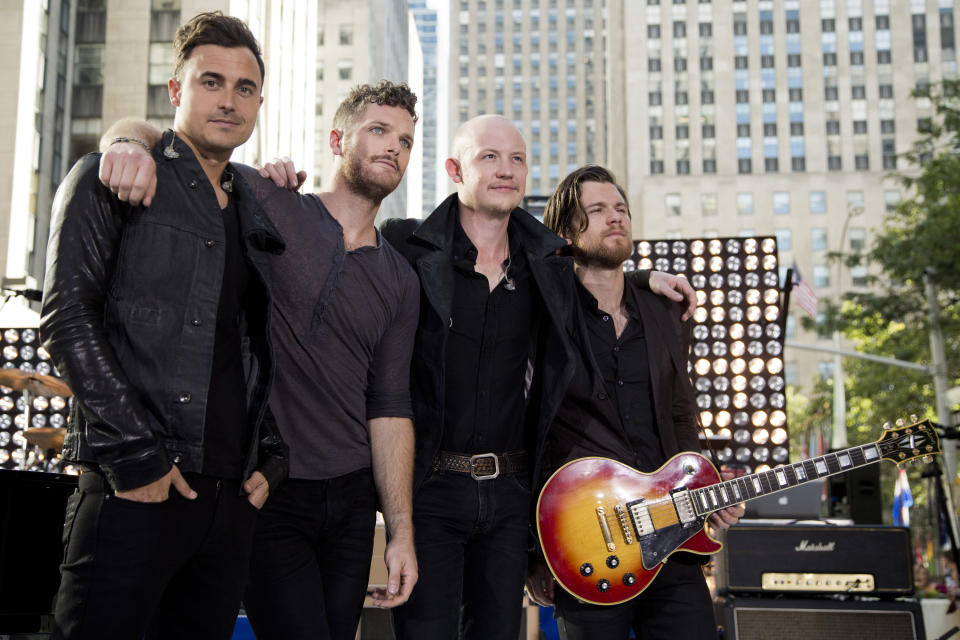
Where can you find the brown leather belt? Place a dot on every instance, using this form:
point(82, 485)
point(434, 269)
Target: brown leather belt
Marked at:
point(482, 466)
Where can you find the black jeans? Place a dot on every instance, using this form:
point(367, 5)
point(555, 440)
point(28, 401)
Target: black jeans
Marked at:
point(311, 561)
point(675, 605)
point(471, 538)
point(172, 569)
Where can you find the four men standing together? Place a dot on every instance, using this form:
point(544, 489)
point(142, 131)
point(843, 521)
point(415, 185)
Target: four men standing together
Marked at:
point(514, 369)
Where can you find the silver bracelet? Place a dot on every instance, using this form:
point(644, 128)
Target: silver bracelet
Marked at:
point(132, 140)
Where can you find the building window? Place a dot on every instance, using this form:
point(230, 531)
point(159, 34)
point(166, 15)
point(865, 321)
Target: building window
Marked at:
point(796, 94)
point(656, 167)
point(784, 240)
point(683, 167)
point(769, 95)
point(818, 239)
point(858, 92)
point(818, 202)
point(706, 97)
point(745, 204)
point(798, 163)
point(794, 60)
point(744, 165)
point(828, 25)
point(767, 62)
point(741, 62)
point(886, 90)
point(859, 126)
point(781, 203)
point(656, 132)
point(856, 24)
point(679, 29)
point(833, 127)
point(796, 128)
point(858, 239)
point(834, 163)
point(861, 162)
point(883, 56)
point(709, 131)
point(858, 275)
point(856, 58)
point(653, 31)
point(683, 131)
point(821, 276)
point(743, 130)
point(709, 165)
point(653, 65)
point(829, 59)
point(346, 35)
point(830, 92)
point(770, 129)
point(771, 165)
point(891, 199)
point(706, 29)
point(708, 204)
point(672, 203)
point(345, 69)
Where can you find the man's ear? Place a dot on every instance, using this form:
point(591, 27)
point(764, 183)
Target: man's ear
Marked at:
point(174, 89)
point(453, 170)
point(336, 142)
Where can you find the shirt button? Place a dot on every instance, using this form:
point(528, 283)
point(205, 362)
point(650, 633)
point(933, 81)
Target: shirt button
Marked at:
point(620, 382)
point(602, 395)
point(196, 322)
point(616, 349)
point(208, 243)
point(184, 398)
point(194, 184)
point(606, 318)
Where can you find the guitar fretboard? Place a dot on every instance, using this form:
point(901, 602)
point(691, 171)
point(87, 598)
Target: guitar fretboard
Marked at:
point(730, 492)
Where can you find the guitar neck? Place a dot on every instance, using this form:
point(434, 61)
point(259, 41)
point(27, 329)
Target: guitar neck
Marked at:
point(718, 496)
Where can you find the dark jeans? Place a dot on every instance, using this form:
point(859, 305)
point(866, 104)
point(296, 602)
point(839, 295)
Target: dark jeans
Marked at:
point(172, 569)
point(311, 559)
point(675, 605)
point(471, 538)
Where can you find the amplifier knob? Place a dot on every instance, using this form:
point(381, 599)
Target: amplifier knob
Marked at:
point(613, 562)
point(629, 579)
point(603, 585)
point(586, 569)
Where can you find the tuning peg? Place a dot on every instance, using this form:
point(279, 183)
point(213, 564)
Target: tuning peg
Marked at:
point(900, 422)
point(901, 465)
point(913, 417)
point(887, 425)
point(928, 459)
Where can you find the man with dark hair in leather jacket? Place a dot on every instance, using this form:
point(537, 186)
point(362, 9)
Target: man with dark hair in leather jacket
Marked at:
point(158, 320)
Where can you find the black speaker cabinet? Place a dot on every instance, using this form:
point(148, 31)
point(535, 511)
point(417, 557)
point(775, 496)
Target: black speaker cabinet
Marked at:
point(821, 619)
point(813, 558)
point(856, 495)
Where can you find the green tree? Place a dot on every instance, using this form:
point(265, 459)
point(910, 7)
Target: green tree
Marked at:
point(891, 319)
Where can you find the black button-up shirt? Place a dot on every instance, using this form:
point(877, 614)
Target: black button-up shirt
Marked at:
point(487, 351)
point(625, 368)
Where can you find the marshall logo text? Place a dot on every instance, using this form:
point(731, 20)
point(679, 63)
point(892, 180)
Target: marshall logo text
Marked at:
point(806, 545)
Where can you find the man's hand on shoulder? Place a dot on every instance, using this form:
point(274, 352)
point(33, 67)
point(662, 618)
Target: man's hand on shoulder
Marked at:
point(282, 172)
point(130, 172)
point(676, 288)
point(159, 489)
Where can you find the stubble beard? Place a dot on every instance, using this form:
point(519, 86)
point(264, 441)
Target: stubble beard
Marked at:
point(364, 186)
point(602, 256)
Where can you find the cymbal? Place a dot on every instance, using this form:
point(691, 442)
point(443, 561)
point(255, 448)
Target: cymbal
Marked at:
point(36, 384)
point(46, 437)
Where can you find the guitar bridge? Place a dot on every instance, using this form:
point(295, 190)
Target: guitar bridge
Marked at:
point(684, 506)
point(624, 524)
point(640, 514)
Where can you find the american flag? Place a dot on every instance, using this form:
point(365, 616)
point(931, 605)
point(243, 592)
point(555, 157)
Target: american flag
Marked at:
point(803, 294)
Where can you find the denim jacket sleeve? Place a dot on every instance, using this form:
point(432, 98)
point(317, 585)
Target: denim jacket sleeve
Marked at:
point(86, 230)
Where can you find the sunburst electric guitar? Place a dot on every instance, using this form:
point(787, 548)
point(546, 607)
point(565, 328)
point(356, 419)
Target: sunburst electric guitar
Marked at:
point(606, 529)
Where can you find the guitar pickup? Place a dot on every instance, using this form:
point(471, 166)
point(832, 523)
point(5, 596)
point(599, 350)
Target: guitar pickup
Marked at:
point(684, 506)
point(640, 514)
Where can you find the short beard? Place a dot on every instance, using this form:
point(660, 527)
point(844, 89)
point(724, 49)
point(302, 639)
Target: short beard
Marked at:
point(601, 256)
point(352, 172)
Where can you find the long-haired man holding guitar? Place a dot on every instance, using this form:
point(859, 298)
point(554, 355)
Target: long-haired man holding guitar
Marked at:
point(629, 400)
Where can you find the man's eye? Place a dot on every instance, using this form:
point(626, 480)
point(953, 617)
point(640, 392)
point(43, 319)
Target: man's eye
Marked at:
point(406, 144)
point(376, 130)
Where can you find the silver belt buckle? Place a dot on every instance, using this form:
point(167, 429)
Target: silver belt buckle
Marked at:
point(473, 466)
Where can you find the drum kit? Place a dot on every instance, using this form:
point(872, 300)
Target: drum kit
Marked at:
point(41, 445)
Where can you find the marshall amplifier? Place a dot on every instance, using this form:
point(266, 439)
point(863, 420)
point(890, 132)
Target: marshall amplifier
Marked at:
point(820, 618)
point(796, 559)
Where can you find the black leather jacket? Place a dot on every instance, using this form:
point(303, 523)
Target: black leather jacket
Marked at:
point(129, 313)
point(429, 248)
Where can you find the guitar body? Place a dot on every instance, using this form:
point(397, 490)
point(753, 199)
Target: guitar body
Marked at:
point(613, 562)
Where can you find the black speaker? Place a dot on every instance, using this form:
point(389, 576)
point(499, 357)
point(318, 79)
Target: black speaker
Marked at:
point(856, 495)
point(823, 619)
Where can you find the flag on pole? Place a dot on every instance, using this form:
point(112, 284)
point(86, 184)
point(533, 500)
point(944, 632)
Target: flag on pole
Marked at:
point(803, 294)
point(902, 500)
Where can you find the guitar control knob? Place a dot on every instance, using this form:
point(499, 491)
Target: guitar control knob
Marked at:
point(613, 562)
point(629, 579)
point(586, 569)
point(603, 585)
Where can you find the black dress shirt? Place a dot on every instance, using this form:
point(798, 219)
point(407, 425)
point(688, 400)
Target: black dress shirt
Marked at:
point(624, 366)
point(487, 351)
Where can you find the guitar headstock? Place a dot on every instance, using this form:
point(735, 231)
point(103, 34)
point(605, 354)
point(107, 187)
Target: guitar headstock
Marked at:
point(905, 442)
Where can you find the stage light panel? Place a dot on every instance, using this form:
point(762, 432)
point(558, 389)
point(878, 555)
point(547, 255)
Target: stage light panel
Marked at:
point(20, 349)
point(736, 354)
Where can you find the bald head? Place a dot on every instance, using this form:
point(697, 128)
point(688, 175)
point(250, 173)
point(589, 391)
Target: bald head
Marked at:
point(488, 163)
point(475, 128)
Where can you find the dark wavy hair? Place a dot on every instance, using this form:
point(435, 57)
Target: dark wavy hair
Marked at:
point(212, 27)
point(564, 215)
point(384, 93)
